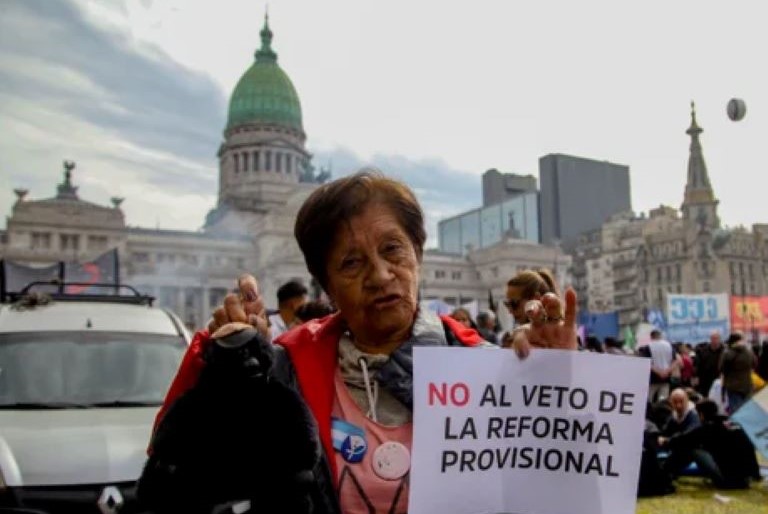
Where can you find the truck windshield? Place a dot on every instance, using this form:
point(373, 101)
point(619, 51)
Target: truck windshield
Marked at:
point(86, 369)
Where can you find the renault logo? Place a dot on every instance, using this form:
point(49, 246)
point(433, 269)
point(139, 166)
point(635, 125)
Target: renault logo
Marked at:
point(110, 501)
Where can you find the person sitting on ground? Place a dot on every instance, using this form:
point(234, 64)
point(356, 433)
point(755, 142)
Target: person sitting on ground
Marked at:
point(720, 448)
point(693, 395)
point(683, 419)
point(652, 480)
point(290, 296)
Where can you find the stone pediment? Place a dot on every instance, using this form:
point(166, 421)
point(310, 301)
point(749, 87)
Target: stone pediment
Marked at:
point(69, 213)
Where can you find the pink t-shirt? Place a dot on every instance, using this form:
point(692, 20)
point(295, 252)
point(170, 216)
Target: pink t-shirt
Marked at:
point(361, 489)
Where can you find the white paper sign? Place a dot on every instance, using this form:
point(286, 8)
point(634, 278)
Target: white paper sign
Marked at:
point(557, 433)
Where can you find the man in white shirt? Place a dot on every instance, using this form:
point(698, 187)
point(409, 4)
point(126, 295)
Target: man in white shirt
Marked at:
point(290, 296)
point(663, 363)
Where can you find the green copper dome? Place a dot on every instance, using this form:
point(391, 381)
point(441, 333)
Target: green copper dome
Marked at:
point(264, 93)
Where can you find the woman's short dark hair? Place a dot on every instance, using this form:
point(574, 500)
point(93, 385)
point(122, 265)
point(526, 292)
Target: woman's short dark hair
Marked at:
point(336, 202)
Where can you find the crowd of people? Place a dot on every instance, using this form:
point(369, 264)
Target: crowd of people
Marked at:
point(692, 392)
point(315, 399)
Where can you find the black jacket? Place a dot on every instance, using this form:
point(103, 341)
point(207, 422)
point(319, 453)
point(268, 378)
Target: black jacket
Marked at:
point(243, 432)
point(729, 446)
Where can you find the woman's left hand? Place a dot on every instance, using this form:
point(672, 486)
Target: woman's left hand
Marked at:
point(546, 328)
point(240, 310)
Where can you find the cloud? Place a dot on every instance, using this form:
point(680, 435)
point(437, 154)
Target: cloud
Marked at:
point(132, 90)
point(129, 114)
point(441, 190)
point(140, 125)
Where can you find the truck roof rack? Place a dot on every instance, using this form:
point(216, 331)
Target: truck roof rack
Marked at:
point(57, 290)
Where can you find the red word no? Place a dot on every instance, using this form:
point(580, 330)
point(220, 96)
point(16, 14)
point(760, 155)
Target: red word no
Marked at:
point(457, 394)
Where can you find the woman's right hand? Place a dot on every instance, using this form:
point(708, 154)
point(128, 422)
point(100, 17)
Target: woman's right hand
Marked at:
point(240, 310)
point(550, 331)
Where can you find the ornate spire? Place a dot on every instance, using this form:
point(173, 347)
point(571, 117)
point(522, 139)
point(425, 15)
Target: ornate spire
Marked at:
point(265, 53)
point(66, 191)
point(694, 130)
point(699, 203)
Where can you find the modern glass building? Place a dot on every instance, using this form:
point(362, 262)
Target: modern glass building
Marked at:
point(517, 217)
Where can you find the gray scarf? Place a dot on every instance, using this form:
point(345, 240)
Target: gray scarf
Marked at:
point(392, 374)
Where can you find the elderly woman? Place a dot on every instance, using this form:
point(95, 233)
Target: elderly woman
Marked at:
point(532, 299)
point(362, 237)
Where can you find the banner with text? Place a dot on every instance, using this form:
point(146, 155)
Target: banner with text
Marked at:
point(692, 317)
point(749, 313)
point(557, 432)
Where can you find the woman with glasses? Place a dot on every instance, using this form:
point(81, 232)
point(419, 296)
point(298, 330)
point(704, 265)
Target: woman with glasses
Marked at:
point(533, 300)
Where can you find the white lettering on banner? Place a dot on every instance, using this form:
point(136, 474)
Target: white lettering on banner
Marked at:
point(701, 308)
point(691, 318)
point(493, 433)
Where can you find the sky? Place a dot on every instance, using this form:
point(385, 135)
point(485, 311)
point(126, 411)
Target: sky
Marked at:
point(432, 92)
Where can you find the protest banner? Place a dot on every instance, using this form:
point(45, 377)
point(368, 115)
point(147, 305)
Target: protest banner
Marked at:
point(749, 314)
point(692, 317)
point(558, 432)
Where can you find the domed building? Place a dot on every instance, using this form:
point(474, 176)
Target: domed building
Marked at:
point(265, 170)
point(265, 174)
point(263, 157)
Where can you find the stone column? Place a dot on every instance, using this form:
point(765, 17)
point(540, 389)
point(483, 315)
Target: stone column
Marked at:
point(181, 304)
point(205, 308)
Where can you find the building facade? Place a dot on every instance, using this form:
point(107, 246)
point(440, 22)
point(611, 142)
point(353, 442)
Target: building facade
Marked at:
point(499, 187)
point(690, 252)
point(265, 174)
point(631, 263)
point(579, 195)
point(516, 218)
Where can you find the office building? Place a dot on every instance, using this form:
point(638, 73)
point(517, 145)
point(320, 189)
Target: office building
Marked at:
point(579, 195)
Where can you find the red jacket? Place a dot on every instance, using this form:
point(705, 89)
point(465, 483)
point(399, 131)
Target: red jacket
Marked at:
point(312, 349)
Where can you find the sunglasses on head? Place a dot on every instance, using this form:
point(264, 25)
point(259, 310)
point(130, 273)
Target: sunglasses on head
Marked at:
point(512, 304)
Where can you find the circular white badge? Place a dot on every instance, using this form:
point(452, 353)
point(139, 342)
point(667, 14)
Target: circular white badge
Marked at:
point(391, 460)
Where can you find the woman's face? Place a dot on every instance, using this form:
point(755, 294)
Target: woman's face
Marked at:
point(373, 276)
point(515, 303)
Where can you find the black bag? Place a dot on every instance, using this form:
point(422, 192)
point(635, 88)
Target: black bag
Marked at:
point(236, 435)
